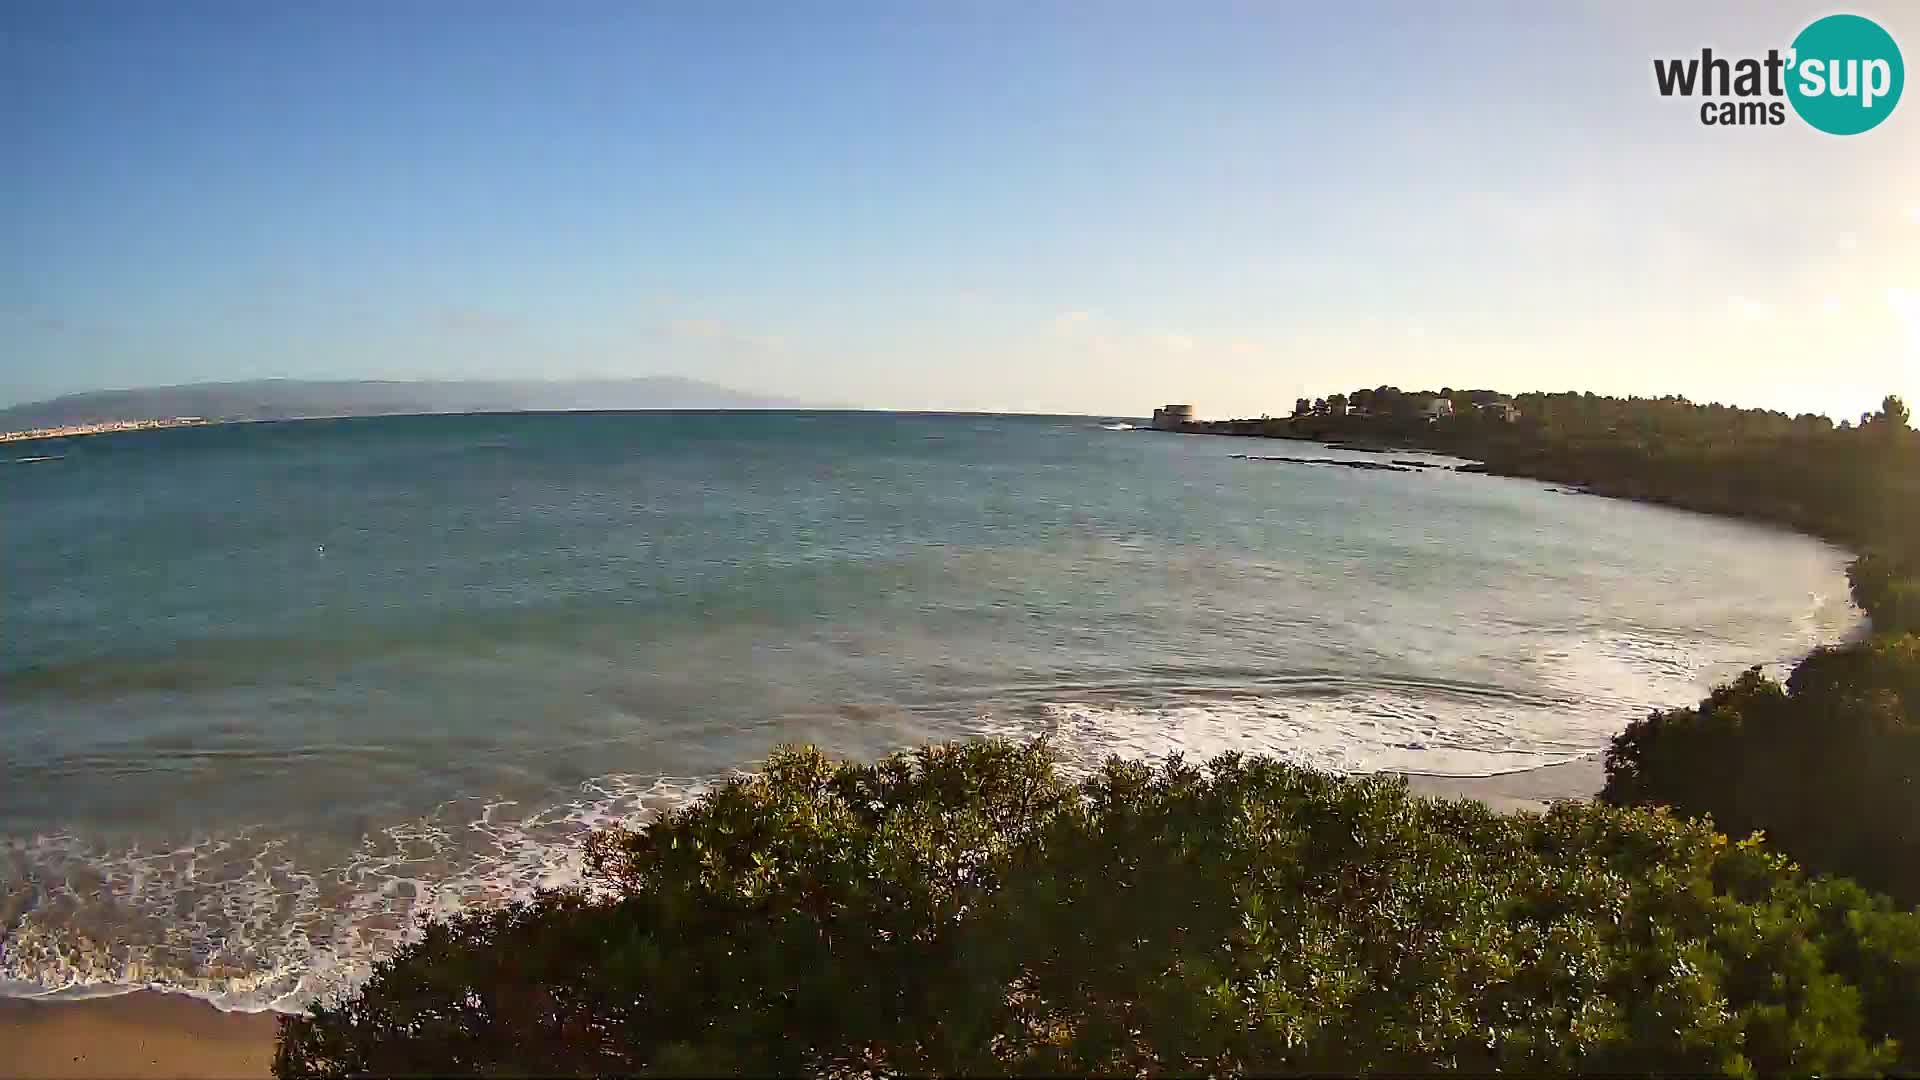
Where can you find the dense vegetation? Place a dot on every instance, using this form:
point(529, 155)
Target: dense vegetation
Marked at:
point(1826, 765)
point(1857, 485)
point(961, 909)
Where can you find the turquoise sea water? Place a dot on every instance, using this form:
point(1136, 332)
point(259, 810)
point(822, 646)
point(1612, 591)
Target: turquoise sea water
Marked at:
point(271, 691)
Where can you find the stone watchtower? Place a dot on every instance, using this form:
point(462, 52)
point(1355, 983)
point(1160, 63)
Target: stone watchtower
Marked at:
point(1172, 417)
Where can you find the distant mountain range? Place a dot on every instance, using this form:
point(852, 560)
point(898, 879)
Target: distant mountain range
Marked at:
point(291, 399)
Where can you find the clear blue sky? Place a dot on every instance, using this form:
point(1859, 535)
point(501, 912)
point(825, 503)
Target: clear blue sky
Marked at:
point(1075, 207)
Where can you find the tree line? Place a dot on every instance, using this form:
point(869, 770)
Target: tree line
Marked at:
point(1827, 765)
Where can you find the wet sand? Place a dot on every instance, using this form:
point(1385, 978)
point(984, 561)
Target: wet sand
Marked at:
point(1535, 789)
point(139, 1036)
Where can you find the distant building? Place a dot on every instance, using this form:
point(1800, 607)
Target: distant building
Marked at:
point(1503, 411)
point(1437, 408)
point(1172, 417)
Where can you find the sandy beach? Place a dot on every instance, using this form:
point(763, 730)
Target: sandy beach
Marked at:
point(1533, 789)
point(139, 1036)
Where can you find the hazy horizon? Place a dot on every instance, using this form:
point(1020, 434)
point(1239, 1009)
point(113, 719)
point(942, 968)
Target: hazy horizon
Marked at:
point(1052, 210)
point(776, 403)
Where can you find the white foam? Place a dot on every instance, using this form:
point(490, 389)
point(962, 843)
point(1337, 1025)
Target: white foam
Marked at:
point(1373, 731)
point(253, 920)
point(248, 923)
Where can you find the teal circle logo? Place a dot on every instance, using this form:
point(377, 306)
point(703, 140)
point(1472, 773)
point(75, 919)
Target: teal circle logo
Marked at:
point(1845, 74)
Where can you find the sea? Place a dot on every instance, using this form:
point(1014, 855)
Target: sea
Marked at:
point(272, 693)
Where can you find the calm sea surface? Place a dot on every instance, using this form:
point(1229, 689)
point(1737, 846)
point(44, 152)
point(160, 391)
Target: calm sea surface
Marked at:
point(270, 691)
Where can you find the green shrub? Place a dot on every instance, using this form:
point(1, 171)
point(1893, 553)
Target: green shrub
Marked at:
point(962, 909)
point(1887, 587)
point(1828, 766)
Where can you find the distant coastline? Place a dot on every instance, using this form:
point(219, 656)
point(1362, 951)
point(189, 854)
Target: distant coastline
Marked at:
point(102, 427)
point(297, 399)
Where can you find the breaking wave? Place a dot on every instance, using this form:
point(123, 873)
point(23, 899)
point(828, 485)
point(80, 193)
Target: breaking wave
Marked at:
point(253, 920)
point(264, 919)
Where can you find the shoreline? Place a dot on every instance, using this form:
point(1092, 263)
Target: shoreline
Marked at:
point(1477, 464)
point(1530, 790)
point(104, 427)
point(147, 1033)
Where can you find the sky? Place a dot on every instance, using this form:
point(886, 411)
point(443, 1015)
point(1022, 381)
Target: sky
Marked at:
point(1075, 207)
